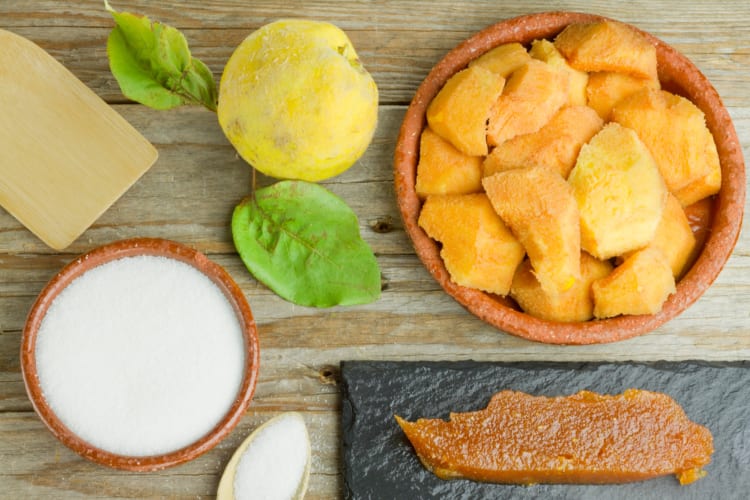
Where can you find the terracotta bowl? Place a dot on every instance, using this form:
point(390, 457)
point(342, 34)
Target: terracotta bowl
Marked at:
point(114, 251)
point(722, 219)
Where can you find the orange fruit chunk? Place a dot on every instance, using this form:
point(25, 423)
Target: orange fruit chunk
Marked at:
point(479, 251)
point(531, 96)
point(674, 130)
point(443, 169)
point(539, 208)
point(460, 111)
point(608, 46)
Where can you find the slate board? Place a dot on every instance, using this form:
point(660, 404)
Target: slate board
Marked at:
point(379, 462)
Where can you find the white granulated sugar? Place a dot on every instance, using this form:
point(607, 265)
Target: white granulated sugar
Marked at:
point(273, 465)
point(140, 356)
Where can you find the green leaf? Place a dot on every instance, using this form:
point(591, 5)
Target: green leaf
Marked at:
point(199, 81)
point(303, 242)
point(172, 54)
point(136, 81)
point(152, 64)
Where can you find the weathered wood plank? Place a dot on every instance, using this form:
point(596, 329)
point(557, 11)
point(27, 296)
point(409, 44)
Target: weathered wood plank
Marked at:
point(413, 319)
point(88, 61)
point(189, 194)
point(34, 461)
point(395, 40)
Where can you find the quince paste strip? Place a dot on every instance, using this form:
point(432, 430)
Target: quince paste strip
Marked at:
point(582, 438)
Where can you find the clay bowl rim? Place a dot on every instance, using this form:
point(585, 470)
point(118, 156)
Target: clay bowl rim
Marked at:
point(108, 253)
point(677, 73)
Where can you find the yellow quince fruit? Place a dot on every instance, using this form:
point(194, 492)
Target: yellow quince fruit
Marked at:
point(296, 102)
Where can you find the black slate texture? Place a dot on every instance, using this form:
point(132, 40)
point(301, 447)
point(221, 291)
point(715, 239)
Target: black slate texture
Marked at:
point(379, 462)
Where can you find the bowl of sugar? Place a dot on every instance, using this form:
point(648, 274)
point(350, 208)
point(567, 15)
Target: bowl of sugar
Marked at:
point(141, 354)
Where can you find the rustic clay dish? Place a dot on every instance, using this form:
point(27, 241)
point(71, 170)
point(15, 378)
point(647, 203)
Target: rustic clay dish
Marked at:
point(114, 251)
point(677, 74)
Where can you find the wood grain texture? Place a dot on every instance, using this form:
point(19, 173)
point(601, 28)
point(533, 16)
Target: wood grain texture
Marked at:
point(395, 39)
point(63, 146)
point(189, 193)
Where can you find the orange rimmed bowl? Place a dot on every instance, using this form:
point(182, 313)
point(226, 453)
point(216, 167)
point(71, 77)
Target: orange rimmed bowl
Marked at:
point(109, 253)
point(678, 75)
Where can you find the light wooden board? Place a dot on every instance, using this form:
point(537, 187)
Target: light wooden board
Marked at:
point(65, 154)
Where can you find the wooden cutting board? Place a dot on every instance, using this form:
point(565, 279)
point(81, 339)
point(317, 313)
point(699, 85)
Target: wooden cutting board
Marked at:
point(65, 155)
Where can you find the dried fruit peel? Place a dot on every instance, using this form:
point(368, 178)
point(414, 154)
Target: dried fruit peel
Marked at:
point(582, 438)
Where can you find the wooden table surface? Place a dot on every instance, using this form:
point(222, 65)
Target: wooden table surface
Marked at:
point(189, 194)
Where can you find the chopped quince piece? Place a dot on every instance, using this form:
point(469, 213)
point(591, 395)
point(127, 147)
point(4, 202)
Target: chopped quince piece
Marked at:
point(576, 304)
point(607, 46)
point(605, 89)
point(705, 186)
point(556, 145)
point(674, 237)
point(619, 191)
point(544, 50)
point(443, 169)
point(460, 110)
point(479, 251)
point(503, 59)
point(675, 131)
point(533, 94)
point(538, 206)
point(639, 285)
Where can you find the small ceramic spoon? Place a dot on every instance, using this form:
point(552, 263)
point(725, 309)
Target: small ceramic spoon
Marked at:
point(286, 429)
